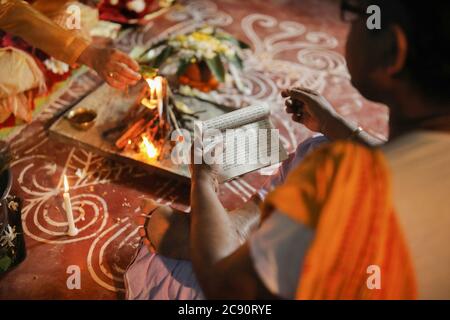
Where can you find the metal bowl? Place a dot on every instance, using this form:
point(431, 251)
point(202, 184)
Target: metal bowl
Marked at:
point(82, 118)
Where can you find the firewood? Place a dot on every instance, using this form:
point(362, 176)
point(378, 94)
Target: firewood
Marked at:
point(136, 129)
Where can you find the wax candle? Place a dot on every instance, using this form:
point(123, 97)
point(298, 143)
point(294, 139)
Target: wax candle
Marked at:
point(72, 230)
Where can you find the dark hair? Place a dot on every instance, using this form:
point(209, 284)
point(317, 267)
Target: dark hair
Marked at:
point(427, 27)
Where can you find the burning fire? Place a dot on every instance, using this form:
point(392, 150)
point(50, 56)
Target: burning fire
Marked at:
point(155, 92)
point(149, 148)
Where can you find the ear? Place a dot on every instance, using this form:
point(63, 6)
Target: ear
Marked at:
point(400, 53)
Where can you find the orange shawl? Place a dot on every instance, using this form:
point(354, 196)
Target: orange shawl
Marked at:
point(23, 20)
point(343, 192)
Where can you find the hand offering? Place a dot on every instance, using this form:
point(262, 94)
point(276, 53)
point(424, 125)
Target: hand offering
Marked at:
point(114, 66)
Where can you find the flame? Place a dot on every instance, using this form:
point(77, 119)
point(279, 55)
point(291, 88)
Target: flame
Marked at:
point(152, 86)
point(66, 184)
point(155, 96)
point(149, 148)
point(150, 101)
point(158, 82)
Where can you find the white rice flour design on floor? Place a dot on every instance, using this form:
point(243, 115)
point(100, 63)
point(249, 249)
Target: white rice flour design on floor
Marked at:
point(104, 260)
point(317, 64)
point(43, 215)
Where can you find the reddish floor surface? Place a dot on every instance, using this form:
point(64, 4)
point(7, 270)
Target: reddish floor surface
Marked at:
point(293, 43)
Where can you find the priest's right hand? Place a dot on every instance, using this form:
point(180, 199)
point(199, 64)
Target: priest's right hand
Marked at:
point(112, 65)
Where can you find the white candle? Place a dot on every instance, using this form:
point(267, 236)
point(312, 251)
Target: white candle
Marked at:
point(72, 231)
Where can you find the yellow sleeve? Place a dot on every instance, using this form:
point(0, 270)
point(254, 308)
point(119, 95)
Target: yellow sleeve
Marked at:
point(50, 8)
point(21, 19)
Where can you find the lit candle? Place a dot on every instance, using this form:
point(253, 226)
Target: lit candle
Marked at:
point(72, 231)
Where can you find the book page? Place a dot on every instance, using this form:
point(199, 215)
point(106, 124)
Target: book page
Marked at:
point(237, 118)
point(248, 148)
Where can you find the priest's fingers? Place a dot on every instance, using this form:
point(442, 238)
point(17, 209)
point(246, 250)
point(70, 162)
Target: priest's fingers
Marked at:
point(123, 70)
point(285, 93)
point(294, 106)
point(302, 96)
point(115, 82)
point(126, 59)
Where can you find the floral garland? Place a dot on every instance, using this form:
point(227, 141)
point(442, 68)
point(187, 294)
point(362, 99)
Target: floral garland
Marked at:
point(204, 58)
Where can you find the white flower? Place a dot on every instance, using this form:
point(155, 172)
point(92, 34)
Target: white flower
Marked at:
point(136, 5)
point(13, 205)
point(56, 66)
point(9, 235)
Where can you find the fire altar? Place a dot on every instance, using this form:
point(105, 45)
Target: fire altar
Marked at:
point(135, 126)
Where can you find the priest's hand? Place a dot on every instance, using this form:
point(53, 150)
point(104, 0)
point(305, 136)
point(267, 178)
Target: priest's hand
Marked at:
point(309, 108)
point(114, 66)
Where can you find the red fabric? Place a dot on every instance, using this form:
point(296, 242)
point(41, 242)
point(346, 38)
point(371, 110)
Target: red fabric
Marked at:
point(8, 40)
point(121, 14)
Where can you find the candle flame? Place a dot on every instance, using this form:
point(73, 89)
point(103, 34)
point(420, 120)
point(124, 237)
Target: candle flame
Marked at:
point(149, 148)
point(66, 184)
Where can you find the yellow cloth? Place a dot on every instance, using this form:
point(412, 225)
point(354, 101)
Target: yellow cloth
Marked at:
point(19, 77)
point(343, 192)
point(57, 11)
point(21, 19)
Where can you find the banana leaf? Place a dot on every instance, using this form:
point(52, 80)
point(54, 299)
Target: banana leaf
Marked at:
point(235, 60)
point(148, 72)
point(217, 68)
point(159, 43)
point(182, 66)
point(162, 57)
point(233, 40)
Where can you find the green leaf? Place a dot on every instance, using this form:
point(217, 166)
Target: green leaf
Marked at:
point(233, 40)
point(158, 44)
point(162, 57)
point(148, 72)
point(182, 66)
point(235, 60)
point(5, 263)
point(217, 68)
point(243, 45)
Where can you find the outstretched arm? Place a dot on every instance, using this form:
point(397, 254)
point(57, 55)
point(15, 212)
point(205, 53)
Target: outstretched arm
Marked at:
point(21, 19)
point(316, 113)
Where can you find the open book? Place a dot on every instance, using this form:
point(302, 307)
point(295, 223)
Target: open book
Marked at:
point(249, 139)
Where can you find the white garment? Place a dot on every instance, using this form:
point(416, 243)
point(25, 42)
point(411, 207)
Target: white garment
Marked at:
point(420, 166)
point(420, 170)
point(277, 250)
